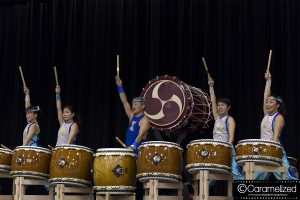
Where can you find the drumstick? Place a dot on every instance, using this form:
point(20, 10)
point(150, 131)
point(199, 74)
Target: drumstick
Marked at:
point(205, 65)
point(22, 76)
point(269, 61)
point(5, 147)
point(122, 143)
point(55, 74)
point(118, 65)
point(50, 147)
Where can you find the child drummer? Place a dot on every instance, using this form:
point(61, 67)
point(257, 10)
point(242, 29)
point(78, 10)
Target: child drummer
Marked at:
point(32, 129)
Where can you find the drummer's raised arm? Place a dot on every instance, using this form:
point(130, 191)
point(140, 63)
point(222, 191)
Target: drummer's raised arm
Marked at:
point(213, 98)
point(58, 105)
point(123, 98)
point(27, 97)
point(267, 91)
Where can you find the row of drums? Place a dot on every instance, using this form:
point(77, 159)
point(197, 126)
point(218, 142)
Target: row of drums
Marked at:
point(115, 169)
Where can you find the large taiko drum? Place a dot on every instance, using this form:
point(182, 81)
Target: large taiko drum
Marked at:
point(71, 165)
point(208, 154)
point(114, 171)
point(259, 151)
point(5, 160)
point(31, 161)
point(293, 163)
point(172, 104)
point(159, 160)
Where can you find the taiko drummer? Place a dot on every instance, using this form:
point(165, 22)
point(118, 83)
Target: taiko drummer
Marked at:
point(224, 127)
point(68, 120)
point(32, 129)
point(271, 127)
point(139, 125)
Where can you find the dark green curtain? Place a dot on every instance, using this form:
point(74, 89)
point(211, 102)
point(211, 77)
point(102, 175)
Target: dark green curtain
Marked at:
point(153, 38)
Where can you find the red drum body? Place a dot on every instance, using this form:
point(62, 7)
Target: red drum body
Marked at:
point(173, 105)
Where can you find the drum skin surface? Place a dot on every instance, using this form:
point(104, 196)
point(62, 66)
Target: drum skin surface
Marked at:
point(260, 151)
point(159, 160)
point(208, 154)
point(71, 164)
point(173, 105)
point(30, 161)
point(5, 160)
point(114, 170)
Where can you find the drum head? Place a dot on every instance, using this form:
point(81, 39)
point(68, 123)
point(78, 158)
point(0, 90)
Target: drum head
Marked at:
point(169, 102)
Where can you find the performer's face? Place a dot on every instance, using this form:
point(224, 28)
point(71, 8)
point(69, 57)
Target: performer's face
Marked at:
point(223, 108)
point(137, 108)
point(67, 114)
point(271, 105)
point(30, 116)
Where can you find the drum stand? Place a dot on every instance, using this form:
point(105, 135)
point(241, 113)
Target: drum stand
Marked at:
point(201, 185)
point(63, 192)
point(251, 167)
point(20, 184)
point(109, 196)
point(153, 186)
point(6, 197)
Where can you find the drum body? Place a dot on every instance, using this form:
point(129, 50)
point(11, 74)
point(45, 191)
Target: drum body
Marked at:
point(260, 151)
point(159, 160)
point(208, 154)
point(31, 161)
point(293, 163)
point(114, 171)
point(174, 105)
point(5, 160)
point(71, 165)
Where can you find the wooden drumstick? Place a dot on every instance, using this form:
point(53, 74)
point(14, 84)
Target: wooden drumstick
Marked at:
point(205, 65)
point(55, 74)
point(22, 76)
point(122, 143)
point(50, 147)
point(118, 67)
point(5, 147)
point(269, 61)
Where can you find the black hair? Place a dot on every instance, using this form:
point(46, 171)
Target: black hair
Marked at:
point(282, 107)
point(224, 100)
point(33, 109)
point(76, 117)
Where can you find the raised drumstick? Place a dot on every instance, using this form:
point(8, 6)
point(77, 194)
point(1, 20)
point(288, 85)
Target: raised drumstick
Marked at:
point(22, 76)
point(118, 67)
point(55, 74)
point(122, 143)
point(269, 61)
point(205, 65)
point(5, 147)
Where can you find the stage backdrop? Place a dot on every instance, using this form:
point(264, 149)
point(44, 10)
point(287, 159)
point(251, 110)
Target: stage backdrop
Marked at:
point(153, 38)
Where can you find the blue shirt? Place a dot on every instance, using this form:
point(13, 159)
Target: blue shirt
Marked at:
point(133, 129)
